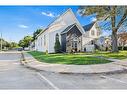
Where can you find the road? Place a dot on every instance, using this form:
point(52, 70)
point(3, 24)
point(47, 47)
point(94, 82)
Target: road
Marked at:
point(15, 76)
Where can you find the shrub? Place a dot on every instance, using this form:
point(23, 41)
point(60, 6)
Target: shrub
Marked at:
point(120, 48)
point(57, 46)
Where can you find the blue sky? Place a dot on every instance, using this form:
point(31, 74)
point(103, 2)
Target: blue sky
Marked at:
point(19, 21)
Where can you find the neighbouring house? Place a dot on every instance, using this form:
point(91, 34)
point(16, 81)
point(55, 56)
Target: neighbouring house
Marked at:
point(32, 46)
point(71, 34)
point(122, 39)
point(104, 43)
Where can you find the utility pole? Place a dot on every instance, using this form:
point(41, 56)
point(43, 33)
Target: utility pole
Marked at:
point(1, 42)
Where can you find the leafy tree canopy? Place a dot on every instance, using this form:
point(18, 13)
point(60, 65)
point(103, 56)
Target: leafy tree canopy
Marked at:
point(115, 17)
point(36, 33)
point(25, 41)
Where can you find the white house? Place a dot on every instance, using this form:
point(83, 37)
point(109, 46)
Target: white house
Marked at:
point(71, 34)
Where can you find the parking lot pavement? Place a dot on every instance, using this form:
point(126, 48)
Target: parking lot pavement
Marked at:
point(10, 56)
point(80, 81)
point(15, 76)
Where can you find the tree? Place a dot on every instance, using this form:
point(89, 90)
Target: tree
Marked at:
point(36, 33)
point(25, 41)
point(4, 44)
point(13, 45)
point(57, 46)
point(115, 17)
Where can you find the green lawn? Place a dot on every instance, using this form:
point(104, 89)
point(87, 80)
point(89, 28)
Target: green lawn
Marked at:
point(120, 55)
point(77, 59)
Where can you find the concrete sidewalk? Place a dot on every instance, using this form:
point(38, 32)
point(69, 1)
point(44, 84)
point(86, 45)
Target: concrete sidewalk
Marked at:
point(113, 67)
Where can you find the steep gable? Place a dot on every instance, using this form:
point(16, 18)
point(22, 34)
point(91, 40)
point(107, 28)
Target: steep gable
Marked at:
point(89, 26)
point(67, 18)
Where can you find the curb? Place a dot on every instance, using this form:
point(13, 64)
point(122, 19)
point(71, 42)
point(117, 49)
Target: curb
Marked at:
point(24, 63)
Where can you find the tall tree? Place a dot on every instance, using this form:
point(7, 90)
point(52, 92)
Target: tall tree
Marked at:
point(115, 17)
point(25, 41)
point(4, 43)
point(36, 33)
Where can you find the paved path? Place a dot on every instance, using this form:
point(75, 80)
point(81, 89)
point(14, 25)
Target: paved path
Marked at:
point(82, 69)
point(110, 59)
point(15, 76)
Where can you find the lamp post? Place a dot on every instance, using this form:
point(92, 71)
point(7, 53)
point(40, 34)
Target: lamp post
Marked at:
point(1, 42)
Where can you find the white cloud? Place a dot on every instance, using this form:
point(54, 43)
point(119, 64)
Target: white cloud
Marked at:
point(22, 26)
point(93, 19)
point(49, 14)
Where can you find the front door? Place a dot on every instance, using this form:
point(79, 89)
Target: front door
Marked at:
point(74, 45)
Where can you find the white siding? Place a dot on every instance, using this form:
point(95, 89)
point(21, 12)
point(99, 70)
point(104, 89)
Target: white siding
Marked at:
point(94, 28)
point(68, 18)
point(40, 42)
point(52, 37)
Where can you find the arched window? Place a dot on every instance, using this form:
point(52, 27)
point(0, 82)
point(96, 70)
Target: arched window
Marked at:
point(57, 36)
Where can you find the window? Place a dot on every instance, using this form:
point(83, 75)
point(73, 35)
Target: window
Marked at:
point(92, 42)
point(92, 32)
point(44, 40)
point(98, 33)
point(41, 41)
point(75, 44)
point(57, 36)
point(72, 44)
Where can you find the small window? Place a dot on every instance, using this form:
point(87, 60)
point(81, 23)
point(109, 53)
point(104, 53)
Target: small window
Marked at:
point(92, 32)
point(98, 33)
point(92, 42)
point(41, 41)
point(72, 44)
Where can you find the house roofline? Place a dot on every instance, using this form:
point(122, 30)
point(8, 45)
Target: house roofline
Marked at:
point(75, 24)
point(78, 22)
point(69, 9)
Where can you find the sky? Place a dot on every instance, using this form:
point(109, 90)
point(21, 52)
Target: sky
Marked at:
point(19, 21)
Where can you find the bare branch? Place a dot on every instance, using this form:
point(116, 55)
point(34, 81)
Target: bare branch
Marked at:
point(122, 19)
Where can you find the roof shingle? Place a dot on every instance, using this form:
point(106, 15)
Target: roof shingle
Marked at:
point(89, 26)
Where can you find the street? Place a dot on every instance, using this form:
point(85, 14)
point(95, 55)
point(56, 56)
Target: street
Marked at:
point(15, 76)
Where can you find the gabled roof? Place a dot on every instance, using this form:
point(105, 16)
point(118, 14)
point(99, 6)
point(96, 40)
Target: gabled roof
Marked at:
point(58, 18)
point(68, 28)
point(53, 22)
point(89, 26)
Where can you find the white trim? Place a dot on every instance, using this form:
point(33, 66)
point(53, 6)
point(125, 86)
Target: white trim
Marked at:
point(53, 22)
point(71, 28)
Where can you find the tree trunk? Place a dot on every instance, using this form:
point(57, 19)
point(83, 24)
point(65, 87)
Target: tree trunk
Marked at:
point(114, 41)
point(123, 46)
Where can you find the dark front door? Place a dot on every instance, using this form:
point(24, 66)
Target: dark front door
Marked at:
point(74, 45)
